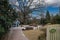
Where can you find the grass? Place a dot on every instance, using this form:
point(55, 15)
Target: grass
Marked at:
point(32, 34)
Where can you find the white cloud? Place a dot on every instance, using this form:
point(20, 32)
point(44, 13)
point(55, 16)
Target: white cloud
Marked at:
point(52, 2)
point(49, 1)
point(17, 3)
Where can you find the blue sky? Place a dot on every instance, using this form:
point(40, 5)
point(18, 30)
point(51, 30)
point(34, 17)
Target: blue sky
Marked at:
point(53, 10)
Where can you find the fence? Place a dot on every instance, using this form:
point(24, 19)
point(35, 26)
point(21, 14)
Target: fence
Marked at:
point(53, 33)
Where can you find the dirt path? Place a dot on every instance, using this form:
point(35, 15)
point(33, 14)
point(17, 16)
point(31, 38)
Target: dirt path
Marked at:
point(16, 34)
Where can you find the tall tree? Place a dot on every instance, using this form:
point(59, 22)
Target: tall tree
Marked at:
point(26, 7)
point(47, 17)
point(7, 16)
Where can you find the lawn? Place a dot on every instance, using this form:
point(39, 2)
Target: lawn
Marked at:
point(32, 34)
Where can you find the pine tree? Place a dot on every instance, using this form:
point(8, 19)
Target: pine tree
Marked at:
point(47, 17)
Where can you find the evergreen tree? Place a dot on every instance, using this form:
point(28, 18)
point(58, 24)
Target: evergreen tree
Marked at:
point(7, 16)
point(56, 19)
point(47, 17)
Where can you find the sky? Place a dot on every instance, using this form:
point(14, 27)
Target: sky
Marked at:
point(51, 5)
point(53, 10)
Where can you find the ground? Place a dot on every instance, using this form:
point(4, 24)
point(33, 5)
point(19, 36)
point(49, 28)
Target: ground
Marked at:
point(18, 34)
point(15, 34)
point(32, 34)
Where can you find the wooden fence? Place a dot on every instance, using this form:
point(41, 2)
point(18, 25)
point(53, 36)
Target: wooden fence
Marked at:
point(53, 33)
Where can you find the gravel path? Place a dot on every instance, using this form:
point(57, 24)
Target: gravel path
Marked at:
point(16, 34)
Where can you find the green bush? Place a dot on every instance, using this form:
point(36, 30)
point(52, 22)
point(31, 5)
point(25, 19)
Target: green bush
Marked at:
point(2, 31)
point(42, 37)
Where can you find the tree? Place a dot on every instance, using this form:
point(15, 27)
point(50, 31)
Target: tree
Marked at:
point(7, 16)
point(56, 19)
point(43, 21)
point(48, 17)
point(52, 19)
point(26, 7)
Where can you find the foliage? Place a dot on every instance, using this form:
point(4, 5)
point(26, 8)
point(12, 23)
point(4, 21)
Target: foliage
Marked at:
point(7, 16)
point(56, 19)
point(43, 21)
